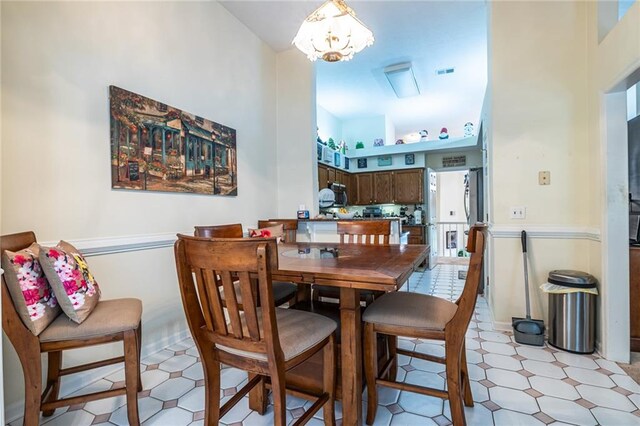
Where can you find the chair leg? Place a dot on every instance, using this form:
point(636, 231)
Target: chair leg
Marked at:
point(139, 338)
point(466, 386)
point(32, 385)
point(392, 348)
point(279, 393)
point(211, 367)
point(53, 378)
point(131, 373)
point(258, 396)
point(454, 388)
point(329, 379)
point(371, 371)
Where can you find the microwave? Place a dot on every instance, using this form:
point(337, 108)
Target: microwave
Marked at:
point(340, 193)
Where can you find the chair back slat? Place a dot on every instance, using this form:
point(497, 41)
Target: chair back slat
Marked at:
point(370, 232)
point(214, 298)
point(248, 259)
point(457, 326)
point(290, 227)
point(205, 298)
point(231, 301)
point(219, 231)
point(250, 315)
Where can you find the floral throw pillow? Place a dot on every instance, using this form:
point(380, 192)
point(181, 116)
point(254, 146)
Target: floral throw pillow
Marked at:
point(270, 232)
point(30, 291)
point(67, 271)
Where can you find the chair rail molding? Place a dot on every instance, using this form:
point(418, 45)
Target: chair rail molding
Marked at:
point(546, 231)
point(111, 245)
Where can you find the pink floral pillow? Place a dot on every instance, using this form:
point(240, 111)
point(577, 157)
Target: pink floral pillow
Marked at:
point(30, 291)
point(270, 232)
point(67, 271)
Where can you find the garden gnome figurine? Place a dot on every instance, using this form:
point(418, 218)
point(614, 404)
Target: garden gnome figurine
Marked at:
point(444, 134)
point(468, 129)
point(424, 135)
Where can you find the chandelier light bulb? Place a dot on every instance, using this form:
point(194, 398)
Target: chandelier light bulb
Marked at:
point(332, 32)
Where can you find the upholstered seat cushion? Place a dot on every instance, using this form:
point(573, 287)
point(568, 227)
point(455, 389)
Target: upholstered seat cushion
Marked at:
point(281, 292)
point(109, 316)
point(298, 331)
point(410, 310)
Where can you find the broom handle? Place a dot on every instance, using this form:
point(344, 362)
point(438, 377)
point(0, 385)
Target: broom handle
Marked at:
point(523, 238)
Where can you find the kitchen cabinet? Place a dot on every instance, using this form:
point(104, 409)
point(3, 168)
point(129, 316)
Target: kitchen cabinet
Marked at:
point(364, 187)
point(352, 189)
point(323, 176)
point(416, 233)
point(408, 186)
point(383, 187)
point(341, 177)
point(331, 175)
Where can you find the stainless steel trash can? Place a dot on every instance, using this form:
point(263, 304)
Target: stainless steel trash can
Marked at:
point(572, 314)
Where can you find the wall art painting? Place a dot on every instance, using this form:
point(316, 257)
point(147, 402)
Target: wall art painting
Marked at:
point(384, 161)
point(336, 159)
point(409, 159)
point(362, 163)
point(156, 147)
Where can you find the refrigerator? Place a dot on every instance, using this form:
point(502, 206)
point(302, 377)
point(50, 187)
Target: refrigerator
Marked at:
point(473, 196)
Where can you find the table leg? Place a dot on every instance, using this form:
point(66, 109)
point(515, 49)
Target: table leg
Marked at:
point(351, 356)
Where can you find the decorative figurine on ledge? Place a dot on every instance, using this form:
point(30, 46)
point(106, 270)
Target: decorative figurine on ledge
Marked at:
point(468, 129)
point(444, 134)
point(424, 135)
point(331, 144)
point(359, 145)
point(378, 142)
point(342, 147)
point(400, 142)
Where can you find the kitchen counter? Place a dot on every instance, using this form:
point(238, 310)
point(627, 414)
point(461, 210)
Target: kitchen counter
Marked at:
point(355, 219)
point(326, 230)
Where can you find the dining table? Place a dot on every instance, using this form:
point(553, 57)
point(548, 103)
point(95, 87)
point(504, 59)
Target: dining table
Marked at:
point(351, 268)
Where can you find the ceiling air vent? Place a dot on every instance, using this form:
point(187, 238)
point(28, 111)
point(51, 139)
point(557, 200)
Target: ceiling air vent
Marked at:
point(444, 71)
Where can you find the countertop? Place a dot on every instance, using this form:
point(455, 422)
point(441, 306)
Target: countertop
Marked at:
point(355, 219)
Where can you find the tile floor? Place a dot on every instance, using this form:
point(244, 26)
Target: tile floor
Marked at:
point(512, 384)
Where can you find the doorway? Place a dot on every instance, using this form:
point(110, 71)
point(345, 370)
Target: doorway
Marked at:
point(452, 217)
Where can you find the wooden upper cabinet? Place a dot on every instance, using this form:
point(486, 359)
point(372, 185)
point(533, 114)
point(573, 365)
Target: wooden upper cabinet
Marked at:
point(383, 188)
point(352, 189)
point(364, 185)
point(323, 176)
point(408, 186)
point(331, 175)
point(340, 177)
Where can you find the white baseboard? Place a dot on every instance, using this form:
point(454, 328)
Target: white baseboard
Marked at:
point(78, 381)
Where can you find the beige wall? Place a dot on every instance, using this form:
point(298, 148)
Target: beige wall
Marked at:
point(296, 138)
point(549, 109)
point(538, 81)
point(58, 60)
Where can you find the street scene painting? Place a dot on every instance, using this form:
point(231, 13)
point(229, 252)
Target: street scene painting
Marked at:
point(156, 147)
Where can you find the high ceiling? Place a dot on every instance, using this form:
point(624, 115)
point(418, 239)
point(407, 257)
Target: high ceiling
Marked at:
point(429, 34)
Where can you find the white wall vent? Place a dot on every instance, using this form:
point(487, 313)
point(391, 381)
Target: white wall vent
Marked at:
point(444, 71)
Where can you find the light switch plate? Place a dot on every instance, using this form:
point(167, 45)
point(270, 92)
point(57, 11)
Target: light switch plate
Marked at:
point(544, 177)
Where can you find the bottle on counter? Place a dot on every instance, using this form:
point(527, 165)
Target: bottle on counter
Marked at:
point(303, 213)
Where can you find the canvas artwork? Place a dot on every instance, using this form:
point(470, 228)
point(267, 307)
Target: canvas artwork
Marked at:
point(336, 159)
point(156, 147)
point(362, 163)
point(409, 159)
point(384, 161)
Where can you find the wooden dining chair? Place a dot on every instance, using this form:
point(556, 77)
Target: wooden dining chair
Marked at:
point(426, 317)
point(282, 292)
point(265, 341)
point(116, 320)
point(290, 227)
point(374, 232)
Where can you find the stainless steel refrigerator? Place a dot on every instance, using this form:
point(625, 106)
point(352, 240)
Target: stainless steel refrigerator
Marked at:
point(473, 196)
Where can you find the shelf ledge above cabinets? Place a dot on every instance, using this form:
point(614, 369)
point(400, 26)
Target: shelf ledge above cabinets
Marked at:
point(429, 146)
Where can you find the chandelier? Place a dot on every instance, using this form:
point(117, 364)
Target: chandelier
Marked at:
point(332, 32)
